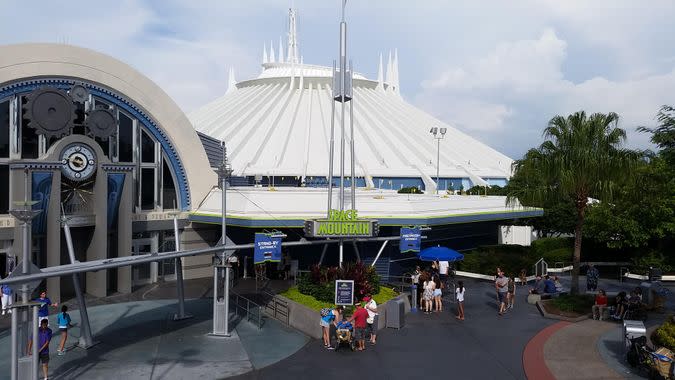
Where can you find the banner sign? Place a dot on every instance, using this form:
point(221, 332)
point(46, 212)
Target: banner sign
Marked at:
point(115, 188)
point(267, 247)
point(344, 292)
point(41, 190)
point(341, 224)
point(411, 239)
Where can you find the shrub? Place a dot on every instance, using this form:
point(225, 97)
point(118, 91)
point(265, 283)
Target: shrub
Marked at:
point(580, 304)
point(485, 259)
point(320, 281)
point(558, 255)
point(653, 259)
point(664, 335)
point(410, 190)
point(542, 246)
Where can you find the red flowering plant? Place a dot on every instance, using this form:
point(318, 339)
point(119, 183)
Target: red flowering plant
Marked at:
point(320, 281)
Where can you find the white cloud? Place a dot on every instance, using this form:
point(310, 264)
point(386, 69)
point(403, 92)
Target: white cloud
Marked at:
point(508, 96)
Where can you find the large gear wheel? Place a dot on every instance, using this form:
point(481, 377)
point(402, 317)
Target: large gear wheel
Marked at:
point(50, 112)
point(101, 123)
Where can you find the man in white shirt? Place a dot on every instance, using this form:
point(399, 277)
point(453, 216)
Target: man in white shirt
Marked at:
point(443, 267)
point(371, 308)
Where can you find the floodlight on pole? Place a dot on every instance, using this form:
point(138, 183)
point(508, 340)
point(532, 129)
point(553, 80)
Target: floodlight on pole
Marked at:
point(438, 136)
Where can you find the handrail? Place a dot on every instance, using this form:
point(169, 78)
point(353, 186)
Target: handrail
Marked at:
point(249, 307)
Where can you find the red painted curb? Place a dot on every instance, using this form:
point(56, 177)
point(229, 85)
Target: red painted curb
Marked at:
point(533, 356)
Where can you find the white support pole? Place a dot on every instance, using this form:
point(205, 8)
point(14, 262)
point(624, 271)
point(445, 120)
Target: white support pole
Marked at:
point(36, 325)
point(379, 252)
point(323, 254)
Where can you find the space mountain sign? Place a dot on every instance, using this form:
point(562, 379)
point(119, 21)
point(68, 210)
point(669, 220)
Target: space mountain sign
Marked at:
point(341, 224)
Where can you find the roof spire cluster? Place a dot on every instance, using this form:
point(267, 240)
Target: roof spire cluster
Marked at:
point(292, 55)
point(391, 76)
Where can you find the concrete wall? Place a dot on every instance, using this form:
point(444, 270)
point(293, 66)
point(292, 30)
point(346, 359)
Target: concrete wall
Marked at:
point(306, 320)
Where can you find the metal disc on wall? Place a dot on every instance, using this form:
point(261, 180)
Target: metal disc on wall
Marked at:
point(50, 112)
point(101, 123)
point(79, 93)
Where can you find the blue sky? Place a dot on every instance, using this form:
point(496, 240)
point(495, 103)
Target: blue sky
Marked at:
point(498, 70)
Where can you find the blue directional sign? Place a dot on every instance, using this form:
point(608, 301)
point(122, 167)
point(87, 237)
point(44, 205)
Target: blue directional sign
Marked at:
point(267, 248)
point(411, 239)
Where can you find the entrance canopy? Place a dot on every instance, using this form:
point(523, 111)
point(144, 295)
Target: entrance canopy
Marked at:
point(440, 253)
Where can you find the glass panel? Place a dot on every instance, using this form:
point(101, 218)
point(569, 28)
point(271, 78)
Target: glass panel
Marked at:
point(29, 139)
point(4, 129)
point(147, 148)
point(126, 139)
point(168, 188)
point(147, 189)
point(4, 189)
point(141, 272)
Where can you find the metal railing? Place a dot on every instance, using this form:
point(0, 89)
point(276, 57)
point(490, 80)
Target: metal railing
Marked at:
point(277, 308)
point(252, 311)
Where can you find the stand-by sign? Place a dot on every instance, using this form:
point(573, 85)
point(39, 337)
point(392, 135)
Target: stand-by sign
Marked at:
point(341, 224)
point(411, 239)
point(267, 247)
point(344, 292)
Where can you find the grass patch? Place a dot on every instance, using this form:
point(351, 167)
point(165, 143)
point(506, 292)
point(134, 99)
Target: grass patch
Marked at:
point(294, 294)
point(578, 304)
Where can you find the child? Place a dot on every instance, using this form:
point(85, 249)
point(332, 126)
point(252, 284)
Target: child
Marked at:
point(63, 320)
point(460, 300)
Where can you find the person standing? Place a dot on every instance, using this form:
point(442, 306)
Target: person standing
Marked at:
point(45, 303)
point(523, 277)
point(64, 322)
point(459, 293)
point(438, 294)
point(7, 298)
point(511, 292)
point(373, 317)
point(329, 316)
point(428, 295)
point(501, 284)
point(360, 318)
point(44, 337)
point(443, 268)
point(592, 276)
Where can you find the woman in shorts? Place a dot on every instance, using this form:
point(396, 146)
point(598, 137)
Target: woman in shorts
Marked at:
point(325, 322)
point(63, 320)
point(459, 293)
point(438, 294)
point(511, 295)
point(428, 295)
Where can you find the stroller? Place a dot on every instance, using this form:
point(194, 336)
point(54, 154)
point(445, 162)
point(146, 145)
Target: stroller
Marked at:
point(344, 335)
point(645, 358)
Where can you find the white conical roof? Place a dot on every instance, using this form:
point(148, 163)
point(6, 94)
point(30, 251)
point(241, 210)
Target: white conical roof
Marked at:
point(271, 128)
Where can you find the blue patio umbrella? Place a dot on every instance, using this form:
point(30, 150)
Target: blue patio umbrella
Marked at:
point(440, 253)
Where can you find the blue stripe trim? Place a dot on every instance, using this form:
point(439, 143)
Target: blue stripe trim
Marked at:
point(26, 86)
point(300, 223)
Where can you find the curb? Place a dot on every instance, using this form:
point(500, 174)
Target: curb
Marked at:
point(543, 312)
point(534, 363)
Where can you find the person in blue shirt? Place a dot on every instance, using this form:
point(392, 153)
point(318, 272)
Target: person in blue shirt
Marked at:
point(45, 303)
point(7, 298)
point(63, 320)
point(549, 285)
point(44, 337)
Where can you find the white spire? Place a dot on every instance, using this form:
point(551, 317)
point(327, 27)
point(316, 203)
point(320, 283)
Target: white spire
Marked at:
point(265, 53)
point(292, 37)
point(272, 60)
point(395, 69)
point(389, 75)
point(231, 82)
point(380, 76)
point(281, 51)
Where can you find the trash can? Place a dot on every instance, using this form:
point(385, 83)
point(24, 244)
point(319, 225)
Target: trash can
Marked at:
point(632, 329)
point(395, 313)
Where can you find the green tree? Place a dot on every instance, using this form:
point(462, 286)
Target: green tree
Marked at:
point(581, 158)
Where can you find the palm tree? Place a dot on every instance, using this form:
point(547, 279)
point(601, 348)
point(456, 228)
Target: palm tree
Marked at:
point(581, 158)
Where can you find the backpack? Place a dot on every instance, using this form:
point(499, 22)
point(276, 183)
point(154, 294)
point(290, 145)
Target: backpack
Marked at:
point(326, 311)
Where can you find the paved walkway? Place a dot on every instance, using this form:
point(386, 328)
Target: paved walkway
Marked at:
point(140, 342)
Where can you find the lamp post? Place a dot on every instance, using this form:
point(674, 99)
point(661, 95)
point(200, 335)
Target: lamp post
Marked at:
point(439, 134)
point(223, 264)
